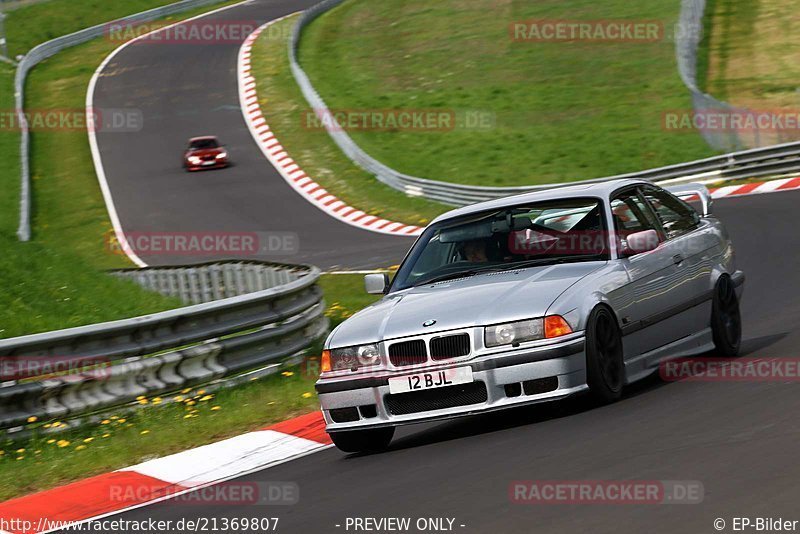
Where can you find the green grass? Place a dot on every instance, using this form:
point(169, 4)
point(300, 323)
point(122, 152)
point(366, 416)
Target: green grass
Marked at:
point(562, 111)
point(39, 463)
point(283, 105)
point(753, 49)
point(56, 280)
point(33, 24)
point(242, 409)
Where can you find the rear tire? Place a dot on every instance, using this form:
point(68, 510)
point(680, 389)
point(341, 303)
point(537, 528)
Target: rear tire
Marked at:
point(371, 440)
point(605, 370)
point(726, 320)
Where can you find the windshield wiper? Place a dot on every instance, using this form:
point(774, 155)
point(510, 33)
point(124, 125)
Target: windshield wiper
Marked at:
point(457, 274)
point(552, 261)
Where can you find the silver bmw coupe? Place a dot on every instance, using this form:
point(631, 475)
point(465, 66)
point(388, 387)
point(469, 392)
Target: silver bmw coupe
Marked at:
point(533, 298)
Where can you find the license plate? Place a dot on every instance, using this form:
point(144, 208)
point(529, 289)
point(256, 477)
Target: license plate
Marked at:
point(430, 380)
point(212, 162)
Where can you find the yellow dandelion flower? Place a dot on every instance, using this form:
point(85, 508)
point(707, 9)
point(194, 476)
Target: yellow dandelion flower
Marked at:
point(105, 422)
point(62, 443)
point(201, 392)
point(140, 397)
point(190, 402)
point(50, 441)
point(307, 395)
point(143, 401)
point(88, 440)
point(215, 408)
point(121, 420)
point(287, 373)
point(156, 400)
point(2, 453)
point(206, 398)
point(20, 451)
point(37, 452)
point(80, 447)
point(20, 458)
point(47, 425)
point(143, 432)
point(32, 419)
point(187, 416)
point(106, 435)
point(185, 391)
point(114, 417)
point(179, 398)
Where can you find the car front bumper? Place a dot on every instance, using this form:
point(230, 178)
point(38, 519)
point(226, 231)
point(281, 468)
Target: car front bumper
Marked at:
point(560, 368)
point(219, 164)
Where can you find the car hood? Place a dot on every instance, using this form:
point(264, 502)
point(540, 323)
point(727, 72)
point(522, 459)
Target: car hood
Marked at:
point(482, 299)
point(200, 152)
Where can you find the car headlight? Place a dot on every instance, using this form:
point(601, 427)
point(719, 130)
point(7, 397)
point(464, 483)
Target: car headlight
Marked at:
point(222, 155)
point(517, 332)
point(529, 330)
point(350, 357)
point(194, 159)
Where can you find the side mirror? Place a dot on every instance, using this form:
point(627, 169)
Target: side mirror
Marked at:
point(376, 284)
point(639, 242)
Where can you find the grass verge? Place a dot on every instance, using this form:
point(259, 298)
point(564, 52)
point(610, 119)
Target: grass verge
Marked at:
point(562, 111)
point(55, 281)
point(284, 107)
point(753, 50)
point(47, 460)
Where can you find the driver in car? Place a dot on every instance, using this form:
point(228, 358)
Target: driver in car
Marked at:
point(475, 251)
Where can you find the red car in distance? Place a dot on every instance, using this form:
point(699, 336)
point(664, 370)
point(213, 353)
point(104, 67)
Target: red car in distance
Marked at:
point(205, 153)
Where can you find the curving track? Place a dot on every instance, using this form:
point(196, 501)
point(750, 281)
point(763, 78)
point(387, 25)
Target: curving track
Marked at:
point(738, 439)
point(185, 90)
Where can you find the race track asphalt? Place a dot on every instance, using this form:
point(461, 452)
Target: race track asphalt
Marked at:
point(188, 90)
point(740, 440)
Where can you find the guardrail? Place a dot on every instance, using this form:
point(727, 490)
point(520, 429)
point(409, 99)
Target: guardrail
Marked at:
point(90, 368)
point(778, 159)
point(44, 51)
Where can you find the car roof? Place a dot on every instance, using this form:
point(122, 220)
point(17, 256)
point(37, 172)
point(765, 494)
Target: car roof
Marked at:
point(593, 189)
point(202, 138)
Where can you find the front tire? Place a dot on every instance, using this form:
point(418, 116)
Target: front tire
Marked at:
point(371, 440)
point(605, 370)
point(726, 320)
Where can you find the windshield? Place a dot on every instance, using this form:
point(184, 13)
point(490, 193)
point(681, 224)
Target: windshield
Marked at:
point(203, 143)
point(562, 230)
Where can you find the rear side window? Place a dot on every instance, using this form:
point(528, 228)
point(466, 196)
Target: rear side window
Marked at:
point(629, 214)
point(676, 216)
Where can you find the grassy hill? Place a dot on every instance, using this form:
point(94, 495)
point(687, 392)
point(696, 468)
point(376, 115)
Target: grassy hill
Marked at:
point(560, 111)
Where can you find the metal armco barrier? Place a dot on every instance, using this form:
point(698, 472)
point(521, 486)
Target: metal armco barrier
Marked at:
point(772, 160)
point(44, 51)
point(79, 370)
point(213, 281)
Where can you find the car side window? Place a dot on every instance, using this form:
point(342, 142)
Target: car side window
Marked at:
point(629, 214)
point(675, 215)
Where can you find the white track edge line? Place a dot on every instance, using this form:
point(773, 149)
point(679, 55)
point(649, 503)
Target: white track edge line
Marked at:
point(96, 157)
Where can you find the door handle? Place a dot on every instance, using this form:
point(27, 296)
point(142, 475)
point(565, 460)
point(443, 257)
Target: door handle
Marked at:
point(677, 259)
